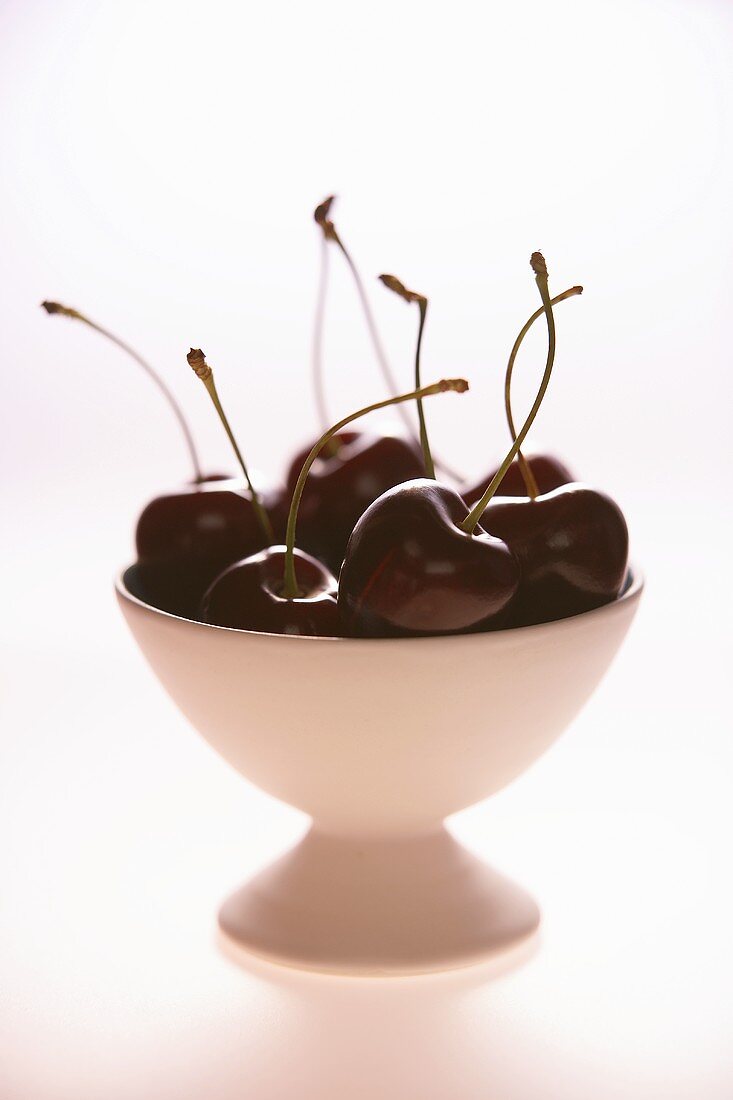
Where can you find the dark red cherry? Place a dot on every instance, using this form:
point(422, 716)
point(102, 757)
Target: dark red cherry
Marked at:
point(283, 589)
point(410, 569)
point(550, 473)
point(249, 596)
point(186, 538)
point(343, 483)
point(572, 544)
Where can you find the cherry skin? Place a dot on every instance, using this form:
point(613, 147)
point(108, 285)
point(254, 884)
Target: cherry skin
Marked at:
point(248, 596)
point(549, 472)
point(342, 484)
point(409, 568)
point(186, 538)
point(573, 546)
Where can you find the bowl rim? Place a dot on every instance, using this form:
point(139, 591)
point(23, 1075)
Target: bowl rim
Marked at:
point(631, 594)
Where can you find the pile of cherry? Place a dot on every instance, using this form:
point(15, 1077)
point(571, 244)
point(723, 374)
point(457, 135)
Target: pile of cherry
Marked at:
point(365, 540)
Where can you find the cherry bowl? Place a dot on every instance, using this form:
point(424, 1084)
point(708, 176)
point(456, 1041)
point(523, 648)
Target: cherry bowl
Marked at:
point(379, 740)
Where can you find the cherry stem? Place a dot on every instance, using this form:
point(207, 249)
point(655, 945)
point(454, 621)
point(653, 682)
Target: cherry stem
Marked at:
point(330, 233)
point(525, 469)
point(197, 362)
point(473, 518)
point(393, 283)
point(66, 311)
point(291, 590)
point(424, 442)
point(317, 347)
point(389, 378)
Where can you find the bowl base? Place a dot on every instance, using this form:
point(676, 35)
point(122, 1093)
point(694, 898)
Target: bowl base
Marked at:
point(378, 906)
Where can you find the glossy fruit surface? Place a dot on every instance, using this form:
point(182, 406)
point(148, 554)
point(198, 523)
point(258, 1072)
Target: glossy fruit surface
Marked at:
point(410, 569)
point(184, 539)
point(573, 546)
point(342, 485)
point(248, 596)
point(550, 473)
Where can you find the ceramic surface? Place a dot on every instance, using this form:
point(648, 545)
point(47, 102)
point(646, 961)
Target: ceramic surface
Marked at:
point(379, 741)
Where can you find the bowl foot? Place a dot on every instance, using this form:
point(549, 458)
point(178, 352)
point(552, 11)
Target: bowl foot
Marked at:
point(378, 906)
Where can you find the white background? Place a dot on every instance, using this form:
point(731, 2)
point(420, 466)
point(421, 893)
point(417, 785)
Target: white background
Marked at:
point(159, 167)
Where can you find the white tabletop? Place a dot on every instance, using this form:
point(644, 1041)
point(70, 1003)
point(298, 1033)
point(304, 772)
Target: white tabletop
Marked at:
point(159, 165)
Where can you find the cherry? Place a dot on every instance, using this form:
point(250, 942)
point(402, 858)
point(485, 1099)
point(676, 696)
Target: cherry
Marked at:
point(343, 483)
point(419, 563)
point(573, 546)
point(184, 540)
point(572, 542)
point(282, 589)
point(548, 471)
point(410, 568)
point(249, 596)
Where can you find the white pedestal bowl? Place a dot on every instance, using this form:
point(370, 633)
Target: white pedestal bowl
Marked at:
point(379, 741)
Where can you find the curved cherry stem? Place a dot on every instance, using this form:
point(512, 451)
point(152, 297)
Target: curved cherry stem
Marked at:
point(525, 468)
point(66, 311)
point(474, 516)
point(291, 590)
point(197, 362)
point(390, 379)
